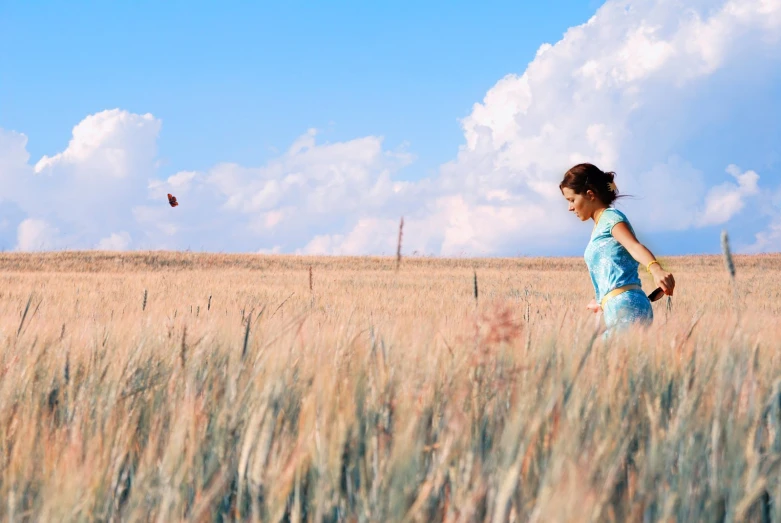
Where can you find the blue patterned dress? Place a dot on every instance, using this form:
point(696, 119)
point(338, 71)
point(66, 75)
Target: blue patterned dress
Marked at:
point(611, 266)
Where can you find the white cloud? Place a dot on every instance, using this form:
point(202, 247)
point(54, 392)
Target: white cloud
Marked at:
point(341, 177)
point(36, 235)
point(111, 143)
point(182, 180)
point(369, 235)
point(768, 240)
point(277, 249)
point(726, 200)
point(89, 189)
point(116, 242)
point(311, 190)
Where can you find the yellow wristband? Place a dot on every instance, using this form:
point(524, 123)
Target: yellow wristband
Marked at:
point(648, 267)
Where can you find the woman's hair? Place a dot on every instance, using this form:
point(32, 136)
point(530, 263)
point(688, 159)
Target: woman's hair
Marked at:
point(585, 176)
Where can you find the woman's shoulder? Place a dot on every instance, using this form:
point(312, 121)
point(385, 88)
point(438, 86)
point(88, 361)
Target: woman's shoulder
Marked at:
point(615, 215)
point(611, 217)
point(614, 211)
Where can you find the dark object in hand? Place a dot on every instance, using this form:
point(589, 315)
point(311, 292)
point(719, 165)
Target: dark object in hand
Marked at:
point(657, 294)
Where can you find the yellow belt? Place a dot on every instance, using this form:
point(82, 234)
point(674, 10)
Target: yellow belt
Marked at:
point(616, 292)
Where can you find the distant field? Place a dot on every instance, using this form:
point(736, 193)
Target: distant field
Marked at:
point(184, 386)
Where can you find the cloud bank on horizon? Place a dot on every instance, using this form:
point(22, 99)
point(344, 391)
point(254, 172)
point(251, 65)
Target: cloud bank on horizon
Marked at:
point(638, 89)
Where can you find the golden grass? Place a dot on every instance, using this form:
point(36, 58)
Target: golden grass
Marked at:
point(381, 395)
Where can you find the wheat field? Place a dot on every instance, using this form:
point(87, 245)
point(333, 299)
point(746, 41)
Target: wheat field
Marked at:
point(168, 386)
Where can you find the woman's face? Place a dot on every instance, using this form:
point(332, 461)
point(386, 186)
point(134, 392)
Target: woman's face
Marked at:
point(582, 205)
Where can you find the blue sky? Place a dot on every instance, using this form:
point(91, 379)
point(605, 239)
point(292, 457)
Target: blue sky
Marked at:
point(235, 81)
point(413, 110)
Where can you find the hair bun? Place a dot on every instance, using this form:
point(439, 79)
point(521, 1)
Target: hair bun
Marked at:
point(585, 177)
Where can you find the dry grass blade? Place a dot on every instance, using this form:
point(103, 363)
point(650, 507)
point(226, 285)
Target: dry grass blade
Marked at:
point(24, 314)
point(755, 501)
point(246, 338)
point(281, 304)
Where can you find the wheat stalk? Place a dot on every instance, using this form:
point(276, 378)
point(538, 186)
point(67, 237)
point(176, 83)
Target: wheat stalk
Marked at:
point(398, 244)
point(475, 285)
point(730, 266)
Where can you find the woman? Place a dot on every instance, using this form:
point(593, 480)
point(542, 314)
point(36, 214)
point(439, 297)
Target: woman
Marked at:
point(613, 254)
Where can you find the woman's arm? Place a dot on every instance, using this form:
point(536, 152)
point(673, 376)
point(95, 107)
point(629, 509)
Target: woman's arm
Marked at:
point(640, 252)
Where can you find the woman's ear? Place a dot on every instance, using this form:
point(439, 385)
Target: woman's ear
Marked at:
point(590, 195)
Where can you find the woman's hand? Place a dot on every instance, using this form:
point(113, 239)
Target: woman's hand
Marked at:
point(663, 279)
point(593, 306)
